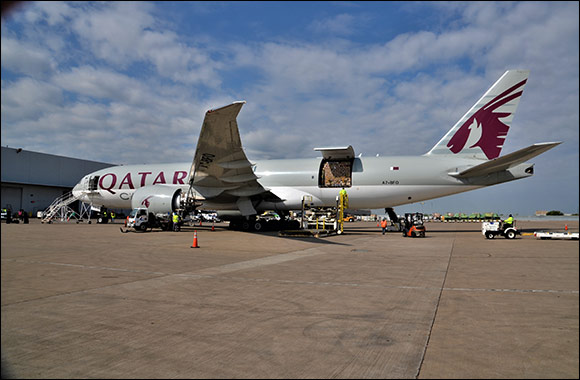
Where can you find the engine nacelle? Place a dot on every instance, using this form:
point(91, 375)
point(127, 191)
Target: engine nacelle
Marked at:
point(159, 199)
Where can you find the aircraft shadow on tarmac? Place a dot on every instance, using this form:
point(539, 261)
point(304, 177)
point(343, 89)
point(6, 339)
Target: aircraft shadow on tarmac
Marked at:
point(314, 240)
point(320, 240)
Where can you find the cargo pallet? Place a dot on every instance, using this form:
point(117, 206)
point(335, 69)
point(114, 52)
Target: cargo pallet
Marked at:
point(556, 235)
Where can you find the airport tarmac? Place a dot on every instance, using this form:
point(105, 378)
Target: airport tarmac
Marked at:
point(86, 301)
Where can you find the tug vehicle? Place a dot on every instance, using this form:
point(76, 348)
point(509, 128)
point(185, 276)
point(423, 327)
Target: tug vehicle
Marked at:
point(350, 218)
point(492, 229)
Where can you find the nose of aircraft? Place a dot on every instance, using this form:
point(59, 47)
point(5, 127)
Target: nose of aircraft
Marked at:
point(77, 191)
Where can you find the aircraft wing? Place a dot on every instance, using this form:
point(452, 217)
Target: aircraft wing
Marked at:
point(220, 170)
point(507, 161)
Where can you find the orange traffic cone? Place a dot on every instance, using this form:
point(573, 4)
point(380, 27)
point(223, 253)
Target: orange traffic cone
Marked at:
point(195, 240)
point(566, 228)
point(212, 227)
point(200, 222)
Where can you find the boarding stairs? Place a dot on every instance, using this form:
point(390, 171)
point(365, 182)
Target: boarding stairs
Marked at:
point(60, 209)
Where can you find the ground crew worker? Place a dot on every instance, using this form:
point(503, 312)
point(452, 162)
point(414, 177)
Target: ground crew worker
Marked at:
point(344, 197)
point(175, 220)
point(112, 216)
point(509, 221)
point(384, 225)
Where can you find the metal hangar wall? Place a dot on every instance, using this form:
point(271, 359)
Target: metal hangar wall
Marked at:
point(32, 180)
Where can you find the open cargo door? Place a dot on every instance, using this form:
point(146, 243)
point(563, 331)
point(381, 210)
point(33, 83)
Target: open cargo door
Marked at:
point(336, 167)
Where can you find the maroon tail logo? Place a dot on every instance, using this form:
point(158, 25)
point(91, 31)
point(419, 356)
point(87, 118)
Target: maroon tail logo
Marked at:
point(493, 130)
point(146, 202)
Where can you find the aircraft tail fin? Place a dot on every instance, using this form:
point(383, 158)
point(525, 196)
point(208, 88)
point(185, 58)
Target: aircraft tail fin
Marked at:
point(482, 131)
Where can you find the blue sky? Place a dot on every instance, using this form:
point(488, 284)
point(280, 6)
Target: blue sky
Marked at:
point(129, 82)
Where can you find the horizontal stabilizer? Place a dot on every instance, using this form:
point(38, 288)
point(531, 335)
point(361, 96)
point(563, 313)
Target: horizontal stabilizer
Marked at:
point(507, 161)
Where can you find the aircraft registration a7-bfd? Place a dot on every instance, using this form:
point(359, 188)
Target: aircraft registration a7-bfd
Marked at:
point(221, 178)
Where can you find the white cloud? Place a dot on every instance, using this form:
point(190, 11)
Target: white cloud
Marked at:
point(123, 33)
point(28, 99)
point(103, 84)
point(26, 58)
point(54, 12)
point(114, 31)
point(342, 24)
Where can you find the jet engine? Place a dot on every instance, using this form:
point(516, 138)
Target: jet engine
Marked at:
point(159, 199)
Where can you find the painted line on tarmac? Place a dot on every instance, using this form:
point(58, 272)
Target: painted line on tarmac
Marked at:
point(84, 266)
point(249, 264)
point(512, 290)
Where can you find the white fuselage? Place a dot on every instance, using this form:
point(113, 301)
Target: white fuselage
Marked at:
point(377, 182)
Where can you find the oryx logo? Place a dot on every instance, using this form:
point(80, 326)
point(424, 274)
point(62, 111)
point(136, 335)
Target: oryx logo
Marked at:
point(146, 202)
point(487, 124)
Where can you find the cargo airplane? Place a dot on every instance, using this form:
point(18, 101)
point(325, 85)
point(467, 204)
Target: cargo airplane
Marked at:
point(222, 178)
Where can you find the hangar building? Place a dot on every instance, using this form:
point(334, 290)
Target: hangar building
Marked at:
point(32, 181)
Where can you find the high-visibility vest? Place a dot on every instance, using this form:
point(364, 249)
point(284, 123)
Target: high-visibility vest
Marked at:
point(383, 223)
point(344, 197)
point(175, 218)
point(509, 220)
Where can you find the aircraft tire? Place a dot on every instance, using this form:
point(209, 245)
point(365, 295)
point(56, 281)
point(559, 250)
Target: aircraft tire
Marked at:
point(294, 224)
